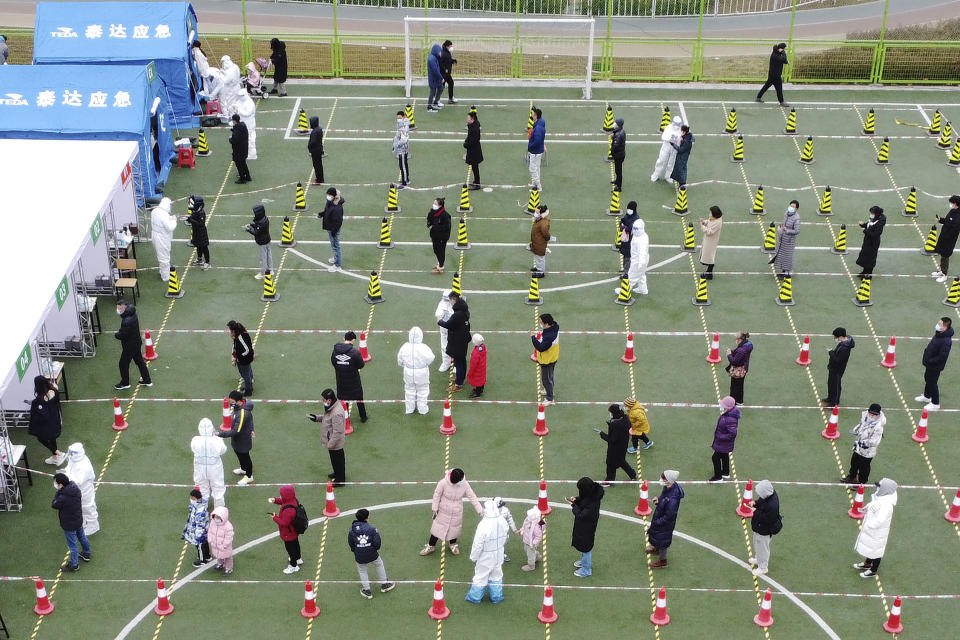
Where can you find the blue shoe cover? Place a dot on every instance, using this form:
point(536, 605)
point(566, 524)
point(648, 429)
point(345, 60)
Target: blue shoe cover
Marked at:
point(475, 595)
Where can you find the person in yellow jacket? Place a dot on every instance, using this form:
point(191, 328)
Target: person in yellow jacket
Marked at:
point(548, 351)
point(639, 425)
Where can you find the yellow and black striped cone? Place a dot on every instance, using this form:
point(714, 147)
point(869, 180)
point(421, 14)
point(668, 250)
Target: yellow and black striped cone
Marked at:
point(737, 150)
point(533, 201)
point(533, 296)
point(665, 119)
point(174, 290)
point(930, 246)
point(840, 244)
point(269, 288)
point(464, 206)
point(954, 155)
point(935, 123)
point(300, 199)
point(910, 208)
point(303, 127)
point(625, 294)
point(953, 296)
point(393, 205)
point(785, 294)
point(203, 148)
point(806, 156)
point(680, 207)
point(616, 242)
point(456, 287)
point(883, 156)
point(870, 124)
point(862, 298)
point(286, 234)
point(609, 157)
point(689, 239)
point(608, 120)
point(614, 209)
point(701, 299)
point(530, 119)
point(408, 113)
point(770, 239)
point(826, 203)
point(758, 202)
point(462, 242)
point(731, 126)
point(791, 128)
point(386, 242)
point(374, 295)
point(946, 138)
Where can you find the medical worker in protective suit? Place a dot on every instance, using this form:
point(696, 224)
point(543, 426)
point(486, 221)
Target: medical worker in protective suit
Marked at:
point(639, 258)
point(487, 552)
point(247, 111)
point(443, 312)
point(664, 166)
point(232, 89)
point(415, 357)
point(207, 466)
point(163, 223)
point(80, 470)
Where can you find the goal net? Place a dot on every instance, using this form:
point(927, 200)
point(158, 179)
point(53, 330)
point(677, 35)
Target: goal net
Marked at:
point(559, 49)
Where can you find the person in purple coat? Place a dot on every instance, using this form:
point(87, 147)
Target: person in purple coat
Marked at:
point(739, 359)
point(723, 438)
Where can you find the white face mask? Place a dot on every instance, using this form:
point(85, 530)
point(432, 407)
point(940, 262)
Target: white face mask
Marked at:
point(435, 207)
point(119, 312)
point(630, 212)
point(56, 486)
point(791, 209)
point(937, 327)
point(872, 217)
point(329, 198)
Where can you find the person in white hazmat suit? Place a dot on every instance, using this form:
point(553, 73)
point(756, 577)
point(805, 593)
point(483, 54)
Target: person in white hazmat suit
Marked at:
point(247, 111)
point(487, 553)
point(80, 470)
point(443, 312)
point(668, 154)
point(207, 466)
point(163, 223)
point(415, 357)
point(639, 258)
point(232, 89)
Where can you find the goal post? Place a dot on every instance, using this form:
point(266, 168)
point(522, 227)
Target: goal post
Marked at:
point(550, 49)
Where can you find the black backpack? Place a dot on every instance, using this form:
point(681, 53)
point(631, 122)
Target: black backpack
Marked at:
point(300, 519)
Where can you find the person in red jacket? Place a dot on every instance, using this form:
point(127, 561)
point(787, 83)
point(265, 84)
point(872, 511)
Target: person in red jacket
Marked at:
point(284, 519)
point(477, 373)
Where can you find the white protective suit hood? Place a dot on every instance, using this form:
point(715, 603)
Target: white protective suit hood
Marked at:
point(490, 509)
point(207, 450)
point(165, 205)
point(415, 336)
point(76, 453)
point(80, 470)
point(205, 428)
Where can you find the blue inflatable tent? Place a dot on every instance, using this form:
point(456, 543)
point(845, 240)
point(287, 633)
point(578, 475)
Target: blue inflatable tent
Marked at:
point(86, 102)
point(125, 33)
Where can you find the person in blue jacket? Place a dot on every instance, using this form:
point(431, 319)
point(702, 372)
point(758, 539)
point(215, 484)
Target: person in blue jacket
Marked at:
point(535, 147)
point(660, 533)
point(364, 541)
point(434, 79)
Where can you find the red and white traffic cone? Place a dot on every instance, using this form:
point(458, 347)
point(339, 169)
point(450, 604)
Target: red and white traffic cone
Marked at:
point(545, 507)
point(547, 613)
point(330, 509)
point(439, 610)
point(447, 428)
point(347, 427)
point(714, 356)
point(628, 354)
point(744, 510)
point(643, 505)
point(892, 625)
point(364, 353)
point(163, 608)
point(856, 511)
point(227, 423)
point(659, 616)
point(533, 356)
point(954, 514)
point(831, 433)
point(890, 360)
point(149, 352)
point(119, 422)
point(764, 618)
point(804, 359)
point(920, 435)
point(541, 427)
point(310, 608)
point(44, 606)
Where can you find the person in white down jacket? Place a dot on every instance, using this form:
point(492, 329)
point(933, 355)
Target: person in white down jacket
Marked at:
point(875, 528)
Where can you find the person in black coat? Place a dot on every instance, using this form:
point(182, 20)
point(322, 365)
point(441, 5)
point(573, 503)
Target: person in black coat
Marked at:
point(626, 228)
point(67, 502)
point(315, 148)
point(474, 154)
point(934, 361)
point(836, 365)
point(129, 336)
point(347, 362)
point(260, 230)
point(617, 437)
point(239, 142)
point(765, 523)
point(438, 221)
point(278, 56)
point(618, 150)
point(332, 216)
point(683, 146)
point(586, 515)
point(458, 338)
point(46, 421)
point(775, 73)
point(199, 237)
point(242, 355)
point(947, 240)
point(872, 230)
point(241, 436)
point(446, 69)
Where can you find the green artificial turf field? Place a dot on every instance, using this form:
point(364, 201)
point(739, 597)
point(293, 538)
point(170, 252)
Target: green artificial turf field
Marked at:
point(394, 460)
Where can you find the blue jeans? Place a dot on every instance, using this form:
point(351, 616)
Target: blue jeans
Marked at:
point(72, 537)
point(460, 364)
point(246, 372)
point(586, 563)
point(335, 245)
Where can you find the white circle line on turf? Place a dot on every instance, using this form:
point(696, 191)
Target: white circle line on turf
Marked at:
point(187, 579)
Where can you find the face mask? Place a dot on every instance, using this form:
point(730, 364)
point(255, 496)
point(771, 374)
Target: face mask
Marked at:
point(329, 198)
point(662, 483)
point(56, 486)
point(435, 207)
point(872, 216)
point(937, 327)
point(327, 405)
point(791, 209)
point(119, 312)
point(630, 212)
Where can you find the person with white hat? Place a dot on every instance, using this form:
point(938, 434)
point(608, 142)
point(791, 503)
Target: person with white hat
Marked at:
point(487, 552)
point(415, 357)
point(668, 154)
point(664, 519)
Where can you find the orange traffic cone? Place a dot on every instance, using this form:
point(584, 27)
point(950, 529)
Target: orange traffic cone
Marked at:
point(163, 608)
point(439, 610)
point(744, 510)
point(628, 355)
point(659, 616)
point(447, 428)
point(533, 356)
point(227, 423)
point(541, 428)
point(804, 359)
point(856, 511)
point(714, 356)
point(547, 613)
point(831, 433)
point(364, 353)
point(890, 360)
point(545, 507)
point(310, 608)
point(643, 505)
point(330, 509)
point(119, 422)
point(149, 352)
point(920, 435)
point(347, 427)
point(954, 514)
point(44, 606)
point(892, 625)
point(764, 618)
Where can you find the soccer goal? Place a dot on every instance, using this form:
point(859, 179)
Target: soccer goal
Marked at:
point(551, 49)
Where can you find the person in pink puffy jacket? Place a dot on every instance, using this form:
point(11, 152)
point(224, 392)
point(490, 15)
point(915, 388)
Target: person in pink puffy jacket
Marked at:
point(448, 511)
point(531, 532)
point(220, 537)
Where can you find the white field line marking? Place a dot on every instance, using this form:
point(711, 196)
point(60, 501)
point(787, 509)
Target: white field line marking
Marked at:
point(792, 597)
point(293, 117)
point(923, 114)
point(683, 113)
point(708, 103)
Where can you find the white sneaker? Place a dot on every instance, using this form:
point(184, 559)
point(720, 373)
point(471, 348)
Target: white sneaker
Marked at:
point(653, 178)
point(244, 481)
point(299, 561)
point(936, 274)
point(239, 472)
point(942, 279)
point(334, 268)
point(258, 276)
point(759, 572)
point(931, 407)
point(922, 398)
point(752, 560)
point(288, 569)
point(331, 260)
